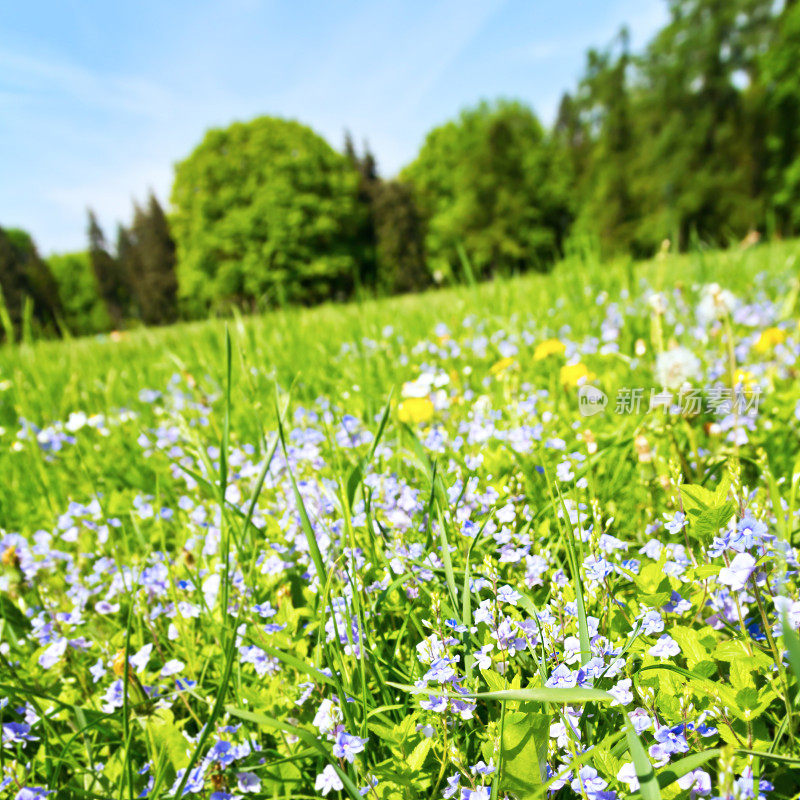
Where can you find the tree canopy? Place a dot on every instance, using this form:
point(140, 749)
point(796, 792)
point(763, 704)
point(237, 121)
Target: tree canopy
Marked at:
point(488, 183)
point(265, 210)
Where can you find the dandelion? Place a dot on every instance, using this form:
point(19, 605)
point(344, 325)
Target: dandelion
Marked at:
point(499, 367)
point(415, 410)
point(768, 339)
point(715, 303)
point(572, 375)
point(676, 367)
point(549, 347)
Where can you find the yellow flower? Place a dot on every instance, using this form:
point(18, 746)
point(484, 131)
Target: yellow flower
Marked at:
point(118, 665)
point(572, 374)
point(744, 379)
point(549, 347)
point(10, 557)
point(415, 410)
point(501, 366)
point(769, 338)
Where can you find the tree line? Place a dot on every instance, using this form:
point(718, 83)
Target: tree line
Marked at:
point(695, 139)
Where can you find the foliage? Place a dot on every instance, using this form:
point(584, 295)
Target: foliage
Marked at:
point(113, 284)
point(399, 239)
point(487, 182)
point(392, 252)
point(150, 250)
point(781, 87)
point(691, 139)
point(264, 211)
point(84, 311)
point(29, 291)
point(207, 592)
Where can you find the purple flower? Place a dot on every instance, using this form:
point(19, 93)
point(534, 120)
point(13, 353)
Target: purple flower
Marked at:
point(589, 781)
point(222, 753)
point(597, 568)
point(31, 793)
point(348, 746)
point(562, 677)
point(749, 533)
point(665, 647)
point(248, 782)
point(506, 594)
point(52, 655)
point(652, 623)
point(436, 704)
point(481, 793)
point(698, 781)
point(677, 523)
point(621, 692)
point(16, 732)
point(172, 667)
point(452, 787)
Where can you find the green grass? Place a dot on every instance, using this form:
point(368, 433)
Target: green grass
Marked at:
point(379, 526)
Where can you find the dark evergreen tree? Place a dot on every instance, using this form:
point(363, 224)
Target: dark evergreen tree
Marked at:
point(129, 265)
point(148, 253)
point(25, 277)
point(112, 284)
point(399, 239)
point(368, 181)
point(607, 207)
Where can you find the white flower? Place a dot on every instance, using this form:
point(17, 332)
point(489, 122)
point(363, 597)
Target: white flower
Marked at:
point(327, 717)
point(715, 302)
point(677, 366)
point(328, 781)
point(421, 387)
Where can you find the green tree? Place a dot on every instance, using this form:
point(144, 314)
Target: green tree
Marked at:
point(780, 78)
point(606, 209)
point(265, 211)
point(84, 310)
point(150, 250)
point(487, 182)
point(130, 267)
point(700, 155)
point(365, 238)
point(399, 239)
point(112, 283)
point(391, 243)
point(25, 279)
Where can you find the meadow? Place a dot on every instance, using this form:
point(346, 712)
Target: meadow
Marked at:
point(379, 549)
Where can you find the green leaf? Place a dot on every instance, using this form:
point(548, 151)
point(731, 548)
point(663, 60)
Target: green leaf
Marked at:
point(648, 785)
point(167, 736)
point(686, 765)
point(267, 721)
point(419, 754)
point(709, 522)
point(537, 694)
point(792, 642)
point(696, 499)
point(525, 739)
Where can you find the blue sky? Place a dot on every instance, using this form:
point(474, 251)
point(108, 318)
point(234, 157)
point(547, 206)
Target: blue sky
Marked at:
point(98, 100)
